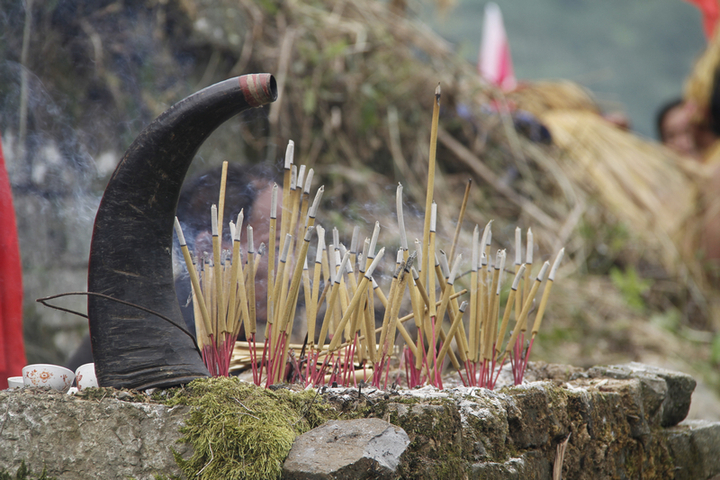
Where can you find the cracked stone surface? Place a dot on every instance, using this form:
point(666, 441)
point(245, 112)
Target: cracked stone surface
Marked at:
point(622, 421)
point(347, 449)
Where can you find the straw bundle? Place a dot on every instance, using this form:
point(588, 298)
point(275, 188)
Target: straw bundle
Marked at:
point(540, 97)
point(642, 183)
point(699, 85)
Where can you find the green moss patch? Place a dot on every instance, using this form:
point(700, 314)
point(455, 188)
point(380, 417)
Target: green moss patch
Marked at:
point(23, 473)
point(240, 431)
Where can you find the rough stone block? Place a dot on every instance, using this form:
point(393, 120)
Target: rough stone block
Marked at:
point(77, 439)
point(695, 448)
point(347, 449)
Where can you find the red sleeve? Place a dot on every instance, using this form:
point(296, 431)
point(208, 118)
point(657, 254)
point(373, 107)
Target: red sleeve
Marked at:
point(12, 348)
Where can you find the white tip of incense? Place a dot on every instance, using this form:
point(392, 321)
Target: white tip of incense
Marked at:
point(213, 216)
point(305, 265)
point(437, 90)
point(273, 201)
point(415, 273)
point(250, 241)
point(518, 277)
point(556, 264)
point(373, 240)
point(321, 244)
point(316, 202)
point(463, 306)
point(343, 266)
point(232, 229)
point(301, 176)
point(433, 217)
point(489, 239)
point(399, 256)
point(375, 263)
point(486, 233)
point(286, 247)
point(375, 284)
point(418, 251)
point(503, 255)
point(354, 240)
point(455, 269)
point(483, 259)
point(518, 246)
point(543, 271)
point(474, 259)
point(293, 178)
point(498, 257)
point(366, 249)
point(238, 225)
point(401, 217)
point(261, 249)
point(336, 237)
point(444, 266)
point(529, 254)
point(289, 154)
point(308, 233)
point(308, 181)
point(178, 230)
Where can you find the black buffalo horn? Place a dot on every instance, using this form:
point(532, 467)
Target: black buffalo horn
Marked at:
point(131, 249)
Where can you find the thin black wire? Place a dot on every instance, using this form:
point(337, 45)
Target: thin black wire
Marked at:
point(108, 297)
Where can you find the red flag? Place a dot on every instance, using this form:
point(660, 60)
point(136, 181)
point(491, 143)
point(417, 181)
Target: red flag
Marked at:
point(494, 62)
point(12, 348)
point(711, 13)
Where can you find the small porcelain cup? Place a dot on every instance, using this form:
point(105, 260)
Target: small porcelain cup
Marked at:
point(15, 382)
point(44, 375)
point(85, 376)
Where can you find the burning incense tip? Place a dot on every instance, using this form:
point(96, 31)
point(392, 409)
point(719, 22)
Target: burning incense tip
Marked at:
point(308, 234)
point(375, 263)
point(444, 266)
point(289, 154)
point(474, 260)
point(308, 181)
point(343, 264)
point(373, 240)
point(238, 225)
point(273, 201)
point(214, 219)
point(250, 242)
point(437, 93)
point(293, 178)
point(518, 277)
point(301, 176)
point(316, 202)
point(455, 269)
point(354, 240)
point(433, 217)
point(336, 237)
point(529, 254)
point(485, 235)
point(556, 264)
point(518, 246)
point(178, 230)
point(286, 246)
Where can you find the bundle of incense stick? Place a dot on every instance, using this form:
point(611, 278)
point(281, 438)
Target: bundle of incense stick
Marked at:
point(220, 299)
point(341, 297)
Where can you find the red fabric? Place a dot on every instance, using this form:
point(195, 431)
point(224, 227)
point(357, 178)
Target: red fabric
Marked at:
point(12, 348)
point(710, 12)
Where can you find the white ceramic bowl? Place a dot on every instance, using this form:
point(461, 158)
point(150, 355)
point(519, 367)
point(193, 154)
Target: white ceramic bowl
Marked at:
point(15, 382)
point(44, 375)
point(85, 376)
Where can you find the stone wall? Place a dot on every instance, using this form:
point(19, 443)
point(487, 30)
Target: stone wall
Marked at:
point(622, 422)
